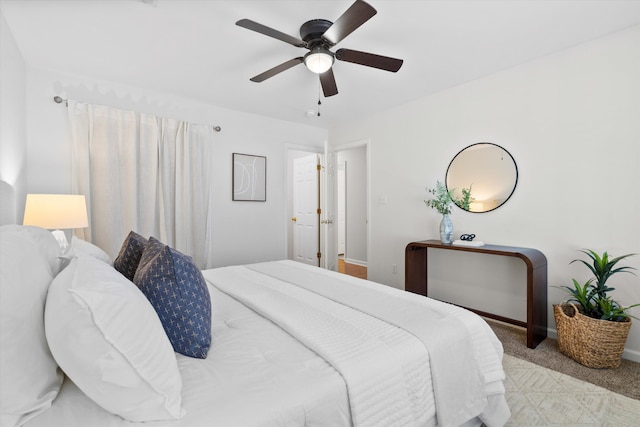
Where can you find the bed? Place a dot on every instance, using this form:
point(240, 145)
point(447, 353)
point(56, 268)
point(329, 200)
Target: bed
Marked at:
point(288, 345)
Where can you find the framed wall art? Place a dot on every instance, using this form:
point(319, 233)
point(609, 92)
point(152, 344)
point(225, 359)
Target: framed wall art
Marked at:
point(249, 178)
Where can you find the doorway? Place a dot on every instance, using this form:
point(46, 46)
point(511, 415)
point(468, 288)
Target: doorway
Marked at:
point(356, 160)
point(353, 208)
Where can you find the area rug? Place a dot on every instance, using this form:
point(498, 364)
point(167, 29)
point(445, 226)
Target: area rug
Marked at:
point(538, 396)
point(623, 380)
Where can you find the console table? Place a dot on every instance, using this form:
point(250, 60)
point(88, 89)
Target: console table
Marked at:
point(416, 281)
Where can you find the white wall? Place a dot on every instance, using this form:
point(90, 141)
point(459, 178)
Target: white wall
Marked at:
point(13, 134)
point(571, 121)
point(244, 231)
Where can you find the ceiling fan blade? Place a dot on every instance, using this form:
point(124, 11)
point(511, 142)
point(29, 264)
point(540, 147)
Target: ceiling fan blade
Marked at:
point(277, 69)
point(369, 59)
point(328, 82)
point(267, 31)
point(359, 13)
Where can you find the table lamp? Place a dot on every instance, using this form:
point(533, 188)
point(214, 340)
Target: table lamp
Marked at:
point(56, 212)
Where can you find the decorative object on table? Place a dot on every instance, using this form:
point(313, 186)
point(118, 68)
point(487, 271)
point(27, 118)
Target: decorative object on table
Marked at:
point(474, 244)
point(249, 178)
point(592, 327)
point(446, 229)
point(56, 212)
point(467, 240)
point(442, 202)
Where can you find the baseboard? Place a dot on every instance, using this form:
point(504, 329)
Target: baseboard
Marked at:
point(355, 262)
point(632, 355)
point(627, 354)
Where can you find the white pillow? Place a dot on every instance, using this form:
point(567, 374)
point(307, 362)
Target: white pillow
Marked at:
point(45, 241)
point(82, 248)
point(29, 375)
point(108, 339)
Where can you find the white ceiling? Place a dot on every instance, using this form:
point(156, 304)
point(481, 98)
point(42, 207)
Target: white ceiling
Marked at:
point(193, 48)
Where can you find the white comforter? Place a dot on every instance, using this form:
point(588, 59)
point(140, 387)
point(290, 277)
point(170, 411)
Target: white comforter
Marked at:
point(385, 368)
point(463, 354)
point(380, 357)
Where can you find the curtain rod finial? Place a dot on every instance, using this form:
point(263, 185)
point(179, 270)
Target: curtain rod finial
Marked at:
point(59, 100)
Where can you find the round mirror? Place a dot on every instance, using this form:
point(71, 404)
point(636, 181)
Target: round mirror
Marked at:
point(483, 177)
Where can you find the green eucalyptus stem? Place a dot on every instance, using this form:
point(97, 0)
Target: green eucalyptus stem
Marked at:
point(443, 200)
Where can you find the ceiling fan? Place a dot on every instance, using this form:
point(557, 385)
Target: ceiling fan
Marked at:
point(319, 36)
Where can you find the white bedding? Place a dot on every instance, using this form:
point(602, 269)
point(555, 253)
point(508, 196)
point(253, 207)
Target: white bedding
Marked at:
point(258, 374)
point(385, 368)
point(255, 375)
point(464, 355)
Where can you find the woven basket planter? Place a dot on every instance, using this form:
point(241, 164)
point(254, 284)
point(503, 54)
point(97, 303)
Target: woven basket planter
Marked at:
point(591, 342)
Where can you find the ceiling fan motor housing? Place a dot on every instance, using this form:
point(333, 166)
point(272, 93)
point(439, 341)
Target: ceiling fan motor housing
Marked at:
point(312, 31)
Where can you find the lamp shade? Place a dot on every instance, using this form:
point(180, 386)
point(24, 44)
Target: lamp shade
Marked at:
point(56, 211)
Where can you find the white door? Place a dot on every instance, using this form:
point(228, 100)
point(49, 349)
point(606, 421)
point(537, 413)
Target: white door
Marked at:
point(329, 241)
point(306, 239)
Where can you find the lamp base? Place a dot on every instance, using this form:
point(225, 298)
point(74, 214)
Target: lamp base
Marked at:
point(62, 240)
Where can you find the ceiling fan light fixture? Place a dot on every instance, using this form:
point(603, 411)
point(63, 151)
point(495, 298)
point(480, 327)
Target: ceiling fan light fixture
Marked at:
point(318, 60)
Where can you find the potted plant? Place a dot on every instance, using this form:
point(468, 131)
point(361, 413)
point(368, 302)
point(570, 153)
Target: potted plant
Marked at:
point(592, 327)
point(442, 202)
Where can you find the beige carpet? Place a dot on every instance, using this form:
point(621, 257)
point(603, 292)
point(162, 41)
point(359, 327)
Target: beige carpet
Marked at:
point(538, 396)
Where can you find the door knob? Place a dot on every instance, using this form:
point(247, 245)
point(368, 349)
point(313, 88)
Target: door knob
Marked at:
point(294, 219)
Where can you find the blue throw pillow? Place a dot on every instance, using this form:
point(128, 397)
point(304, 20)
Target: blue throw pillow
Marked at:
point(129, 257)
point(178, 292)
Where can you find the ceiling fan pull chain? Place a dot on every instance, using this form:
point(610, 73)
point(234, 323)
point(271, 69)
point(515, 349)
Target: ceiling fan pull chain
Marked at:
point(319, 103)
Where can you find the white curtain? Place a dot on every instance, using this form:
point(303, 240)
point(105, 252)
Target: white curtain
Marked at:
point(144, 173)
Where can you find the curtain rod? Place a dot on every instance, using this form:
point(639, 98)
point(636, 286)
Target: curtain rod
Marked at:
point(59, 100)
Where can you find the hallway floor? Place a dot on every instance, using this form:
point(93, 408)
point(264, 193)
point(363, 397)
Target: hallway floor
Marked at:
point(351, 269)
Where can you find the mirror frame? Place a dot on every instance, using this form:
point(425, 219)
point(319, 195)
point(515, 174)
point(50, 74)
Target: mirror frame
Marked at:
point(515, 183)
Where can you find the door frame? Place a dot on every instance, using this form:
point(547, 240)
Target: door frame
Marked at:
point(366, 143)
point(341, 202)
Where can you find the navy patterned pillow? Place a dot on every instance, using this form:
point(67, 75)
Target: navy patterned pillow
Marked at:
point(129, 256)
point(178, 292)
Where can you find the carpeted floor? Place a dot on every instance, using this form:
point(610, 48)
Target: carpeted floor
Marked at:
point(624, 380)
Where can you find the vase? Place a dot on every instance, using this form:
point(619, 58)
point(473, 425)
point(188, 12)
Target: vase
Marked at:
point(446, 230)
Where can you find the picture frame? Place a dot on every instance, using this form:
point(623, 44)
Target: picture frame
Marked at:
point(249, 178)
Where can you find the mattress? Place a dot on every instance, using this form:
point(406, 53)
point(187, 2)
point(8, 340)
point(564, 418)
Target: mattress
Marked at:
point(295, 345)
